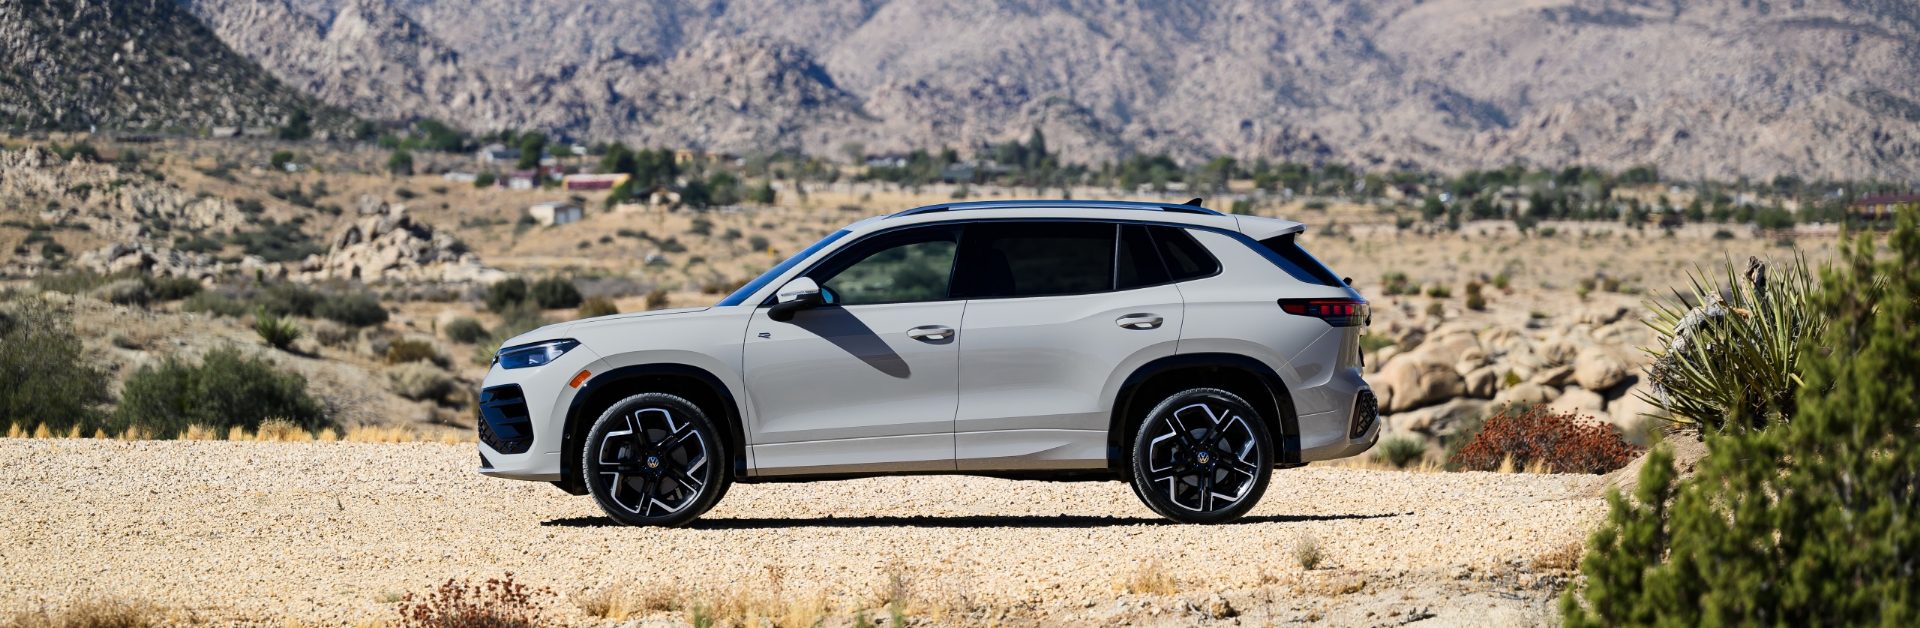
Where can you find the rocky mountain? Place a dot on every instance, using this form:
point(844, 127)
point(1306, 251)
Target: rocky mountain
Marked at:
point(148, 64)
point(1716, 88)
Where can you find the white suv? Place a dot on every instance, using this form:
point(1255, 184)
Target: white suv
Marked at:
point(1187, 352)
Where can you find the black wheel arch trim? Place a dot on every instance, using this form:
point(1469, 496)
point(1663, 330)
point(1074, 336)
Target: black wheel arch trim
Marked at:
point(733, 427)
point(1282, 413)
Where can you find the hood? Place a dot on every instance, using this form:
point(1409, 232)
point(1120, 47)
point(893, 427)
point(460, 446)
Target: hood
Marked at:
point(557, 331)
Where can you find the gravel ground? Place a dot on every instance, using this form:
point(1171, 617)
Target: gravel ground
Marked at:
point(332, 533)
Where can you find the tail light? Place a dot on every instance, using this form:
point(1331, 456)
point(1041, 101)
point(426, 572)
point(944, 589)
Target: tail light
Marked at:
point(1336, 312)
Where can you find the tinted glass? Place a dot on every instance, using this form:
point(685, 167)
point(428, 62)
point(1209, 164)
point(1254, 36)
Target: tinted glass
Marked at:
point(912, 265)
point(1297, 262)
point(1139, 265)
point(1030, 259)
point(1185, 258)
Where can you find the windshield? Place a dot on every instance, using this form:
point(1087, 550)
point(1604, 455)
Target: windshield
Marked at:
point(765, 278)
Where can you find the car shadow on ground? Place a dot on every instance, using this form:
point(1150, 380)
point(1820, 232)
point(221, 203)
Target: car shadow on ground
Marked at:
point(977, 521)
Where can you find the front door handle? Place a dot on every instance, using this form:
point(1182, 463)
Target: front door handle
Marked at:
point(930, 332)
point(1139, 321)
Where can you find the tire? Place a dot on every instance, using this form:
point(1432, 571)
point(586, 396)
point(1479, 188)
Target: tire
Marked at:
point(654, 459)
point(1216, 472)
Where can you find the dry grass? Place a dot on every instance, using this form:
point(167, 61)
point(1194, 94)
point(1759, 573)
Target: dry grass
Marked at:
point(89, 613)
point(617, 603)
point(1564, 557)
point(1308, 552)
point(1152, 578)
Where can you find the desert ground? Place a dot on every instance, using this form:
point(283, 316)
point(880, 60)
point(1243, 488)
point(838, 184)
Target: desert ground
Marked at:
point(335, 533)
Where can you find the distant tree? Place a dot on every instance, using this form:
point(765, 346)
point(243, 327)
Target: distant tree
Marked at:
point(298, 127)
point(366, 130)
point(280, 159)
point(439, 136)
point(401, 163)
point(532, 144)
point(618, 159)
point(856, 152)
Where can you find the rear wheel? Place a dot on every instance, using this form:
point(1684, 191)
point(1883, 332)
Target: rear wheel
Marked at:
point(1202, 456)
point(654, 459)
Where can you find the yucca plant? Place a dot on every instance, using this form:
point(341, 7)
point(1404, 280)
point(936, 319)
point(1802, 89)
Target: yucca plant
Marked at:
point(1732, 361)
point(275, 331)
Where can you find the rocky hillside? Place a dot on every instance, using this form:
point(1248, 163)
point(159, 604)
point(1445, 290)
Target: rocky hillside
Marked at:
point(1702, 87)
point(142, 64)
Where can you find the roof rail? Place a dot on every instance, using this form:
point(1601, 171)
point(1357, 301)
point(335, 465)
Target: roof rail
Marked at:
point(1160, 207)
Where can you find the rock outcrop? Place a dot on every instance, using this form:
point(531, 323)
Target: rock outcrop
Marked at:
point(390, 246)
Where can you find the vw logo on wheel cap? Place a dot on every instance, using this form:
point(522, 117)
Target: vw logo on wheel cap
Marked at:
point(1204, 457)
point(653, 462)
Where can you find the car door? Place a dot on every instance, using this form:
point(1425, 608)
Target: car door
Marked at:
point(1054, 309)
point(868, 382)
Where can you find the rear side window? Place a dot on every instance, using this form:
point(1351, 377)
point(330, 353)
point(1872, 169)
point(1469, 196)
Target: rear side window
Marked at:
point(1185, 258)
point(1139, 265)
point(1297, 262)
point(1030, 259)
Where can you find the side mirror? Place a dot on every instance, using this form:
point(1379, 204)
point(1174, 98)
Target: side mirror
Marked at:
point(799, 294)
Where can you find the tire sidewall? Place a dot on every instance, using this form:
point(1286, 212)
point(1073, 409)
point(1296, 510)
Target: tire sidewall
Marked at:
point(1142, 439)
point(718, 455)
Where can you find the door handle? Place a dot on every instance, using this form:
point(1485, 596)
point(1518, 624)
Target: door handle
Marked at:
point(1139, 321)
point(930, 332)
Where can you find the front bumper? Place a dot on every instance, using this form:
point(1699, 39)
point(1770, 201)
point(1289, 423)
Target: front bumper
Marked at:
point(547, 396)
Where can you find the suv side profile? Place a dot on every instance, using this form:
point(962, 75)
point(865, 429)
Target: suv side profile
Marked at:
point(1183, 351)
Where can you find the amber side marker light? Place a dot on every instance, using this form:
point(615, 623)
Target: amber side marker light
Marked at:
point(578, 379)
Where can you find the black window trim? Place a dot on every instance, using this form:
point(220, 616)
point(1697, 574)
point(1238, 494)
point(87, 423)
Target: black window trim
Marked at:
point(952, 273)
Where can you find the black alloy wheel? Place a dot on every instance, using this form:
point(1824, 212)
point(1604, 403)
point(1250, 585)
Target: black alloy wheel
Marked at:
point(655, 459)
point(1202, 456)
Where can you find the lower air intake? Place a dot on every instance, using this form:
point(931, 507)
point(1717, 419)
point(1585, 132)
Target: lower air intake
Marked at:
point(1366, 411)
point(504, 424)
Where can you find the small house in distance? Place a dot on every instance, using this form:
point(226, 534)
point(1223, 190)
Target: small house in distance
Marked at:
point(553, 213)
point(1877, 206)
point(594, 181)
point(498, 153)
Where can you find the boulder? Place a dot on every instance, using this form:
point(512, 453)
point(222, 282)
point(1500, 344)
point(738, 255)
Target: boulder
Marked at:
point(1554, 377)
point(1472, 359)
point(1483, 382)
point(1558, 351)
point(1579, 401)
point(1409, 338)
point(1596, 369)
point(1500, 341)
point(1527, 395)
point(1598, 316)
point(1437, 420)
point(1452, 346)
point(1632, 414)
point(1412, 380)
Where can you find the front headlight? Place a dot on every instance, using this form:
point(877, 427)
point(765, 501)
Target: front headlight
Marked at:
point(537, 354)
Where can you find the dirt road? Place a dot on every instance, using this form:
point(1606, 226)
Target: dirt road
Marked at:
point(333, 533)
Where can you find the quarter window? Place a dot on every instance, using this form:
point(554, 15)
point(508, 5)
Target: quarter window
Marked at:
point(1186, 259)
point(912, 265)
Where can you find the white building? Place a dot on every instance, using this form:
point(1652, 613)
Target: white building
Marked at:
point(553, 213)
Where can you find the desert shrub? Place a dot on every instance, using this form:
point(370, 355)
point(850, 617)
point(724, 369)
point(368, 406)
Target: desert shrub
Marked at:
point(410, 350)
point(77, 282)
point(496, 603)
point(1807, 522)
point(214, 303)
point(420, 382)
point(465, 330)
point(288, 299)
point(1475, 302)
point(506, 293)
point(554, 293)
point(1733, 360)
point(331, 334)
point(225, 390)
point(173, 288)
point(1307, 552)
point(42, 375)
point(1395, 282)
point(657, 299)
point(1400, 451)
point(354, 310)
point(89, 613)
point(277, 332)
point(1439, 291)
point(124, 292)
point(598, 306)
point(1564, 442)
point(758, 243)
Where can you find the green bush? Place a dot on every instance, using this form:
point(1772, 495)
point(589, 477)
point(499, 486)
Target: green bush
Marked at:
point(43, 378)
point(353, 310)
point(554, 293)
point(465, 330)
point(1401, 451)
point(506, 293)
point(174, 288)
point(277, 332)
point(598, 306)
point(289, 299)
point(1733, 362)
point(227, 389)
point(1801, 523)
point(408, 350)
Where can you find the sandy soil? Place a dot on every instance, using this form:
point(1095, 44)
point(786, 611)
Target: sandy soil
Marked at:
point(334, 533)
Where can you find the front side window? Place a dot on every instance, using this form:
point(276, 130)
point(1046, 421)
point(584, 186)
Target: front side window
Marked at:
point(1031, 259)
point(897, 267)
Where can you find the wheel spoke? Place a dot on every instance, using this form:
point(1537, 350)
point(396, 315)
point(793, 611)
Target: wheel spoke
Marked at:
point(1240, 466)
point(1171, 471)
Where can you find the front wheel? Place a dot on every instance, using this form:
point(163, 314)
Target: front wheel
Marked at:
point(654, 459)
point(1202, 456)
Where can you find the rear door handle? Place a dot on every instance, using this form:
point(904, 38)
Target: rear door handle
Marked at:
point(1139, 321)
point(930, 332)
